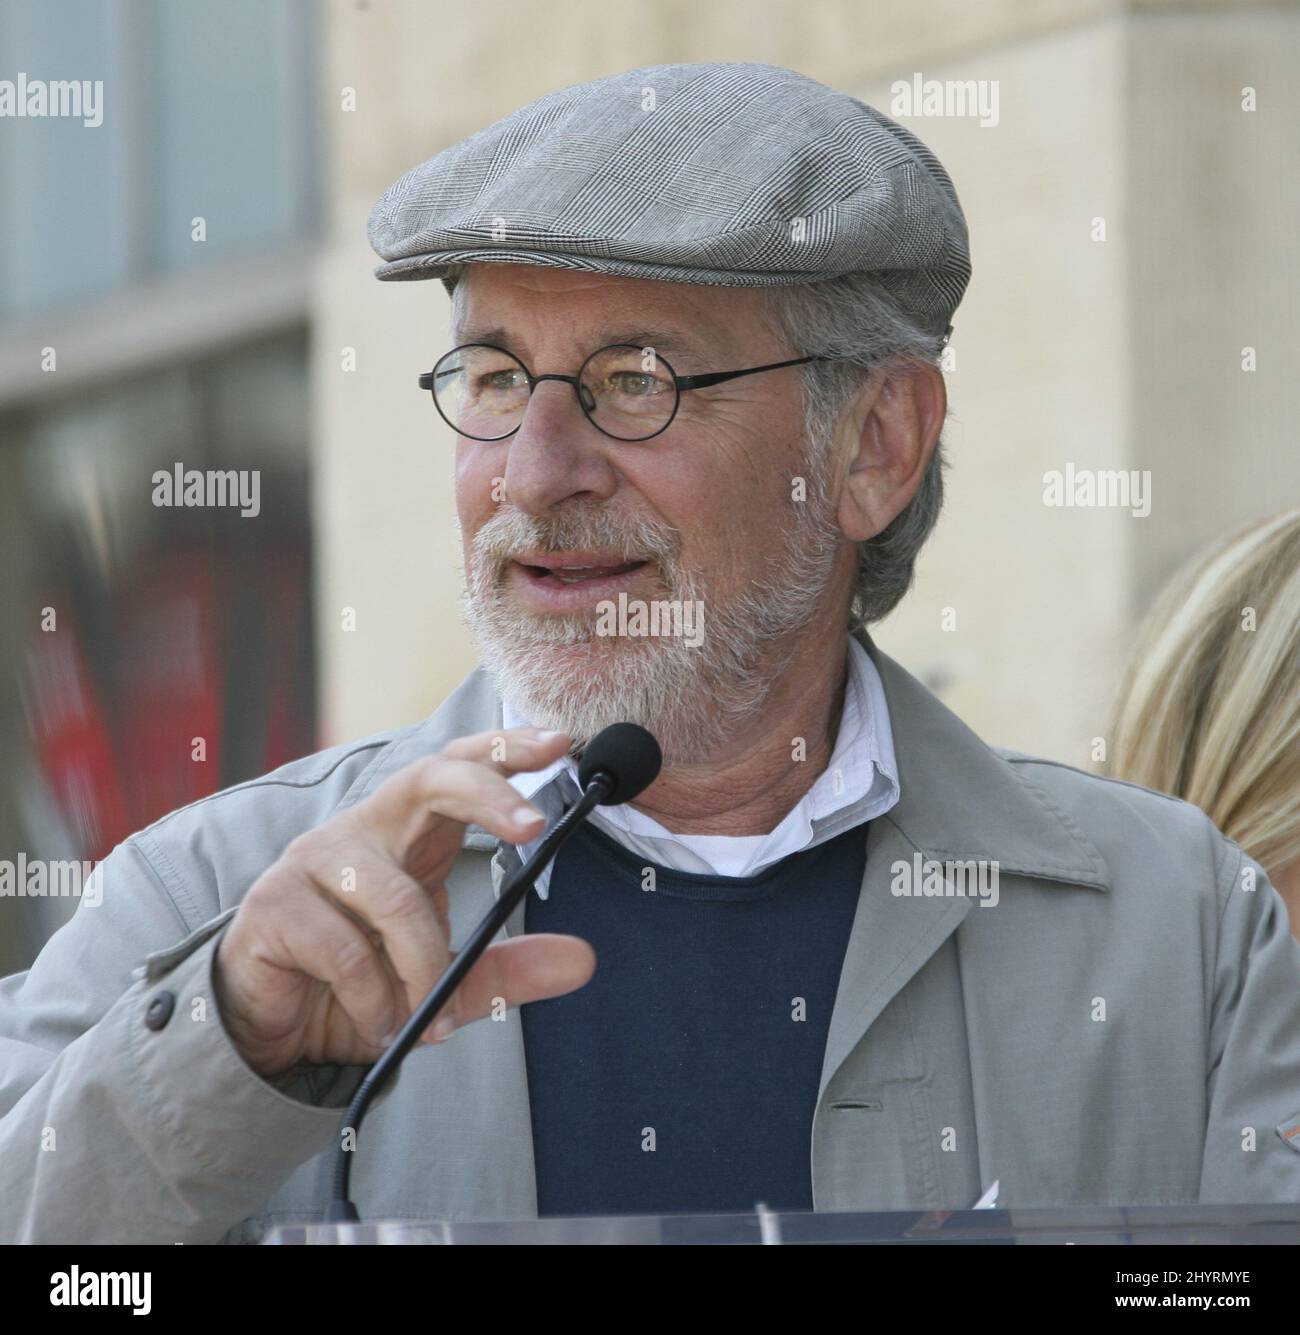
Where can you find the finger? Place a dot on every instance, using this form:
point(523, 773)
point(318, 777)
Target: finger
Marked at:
point(528, 968)
point(388, 903)
point(330, 946)
point(431, 801)
point(511, 750)
point(404, 812)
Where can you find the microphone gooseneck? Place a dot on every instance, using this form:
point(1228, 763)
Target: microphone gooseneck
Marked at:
point(620, 762)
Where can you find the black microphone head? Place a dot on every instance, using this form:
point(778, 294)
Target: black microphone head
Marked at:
point(628, 754)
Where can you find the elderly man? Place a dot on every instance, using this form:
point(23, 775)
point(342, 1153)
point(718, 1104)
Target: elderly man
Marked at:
point(840, 954)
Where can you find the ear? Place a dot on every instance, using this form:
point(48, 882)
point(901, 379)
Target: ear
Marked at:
point(893, 426)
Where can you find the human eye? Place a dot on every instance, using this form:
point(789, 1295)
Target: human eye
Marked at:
point(638, 384)
point(500, 381)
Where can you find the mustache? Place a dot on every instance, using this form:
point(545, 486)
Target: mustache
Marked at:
point(632, 537)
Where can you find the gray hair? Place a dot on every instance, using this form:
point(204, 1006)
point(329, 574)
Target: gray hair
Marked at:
point(853, 320)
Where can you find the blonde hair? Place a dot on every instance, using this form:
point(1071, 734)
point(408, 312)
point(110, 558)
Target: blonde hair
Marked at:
point(1210, 708)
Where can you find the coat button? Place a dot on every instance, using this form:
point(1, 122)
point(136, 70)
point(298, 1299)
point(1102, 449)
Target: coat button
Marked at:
point(160, 1010)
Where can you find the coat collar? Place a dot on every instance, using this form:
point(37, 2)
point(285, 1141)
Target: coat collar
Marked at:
point(960, 799)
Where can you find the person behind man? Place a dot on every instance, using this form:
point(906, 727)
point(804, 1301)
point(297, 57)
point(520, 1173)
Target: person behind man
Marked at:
point(841, 955)
point(1210, 707)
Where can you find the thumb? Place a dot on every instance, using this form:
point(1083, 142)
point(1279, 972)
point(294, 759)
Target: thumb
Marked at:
point(529, 968)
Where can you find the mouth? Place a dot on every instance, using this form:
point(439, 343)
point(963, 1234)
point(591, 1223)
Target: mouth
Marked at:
point(566, 580)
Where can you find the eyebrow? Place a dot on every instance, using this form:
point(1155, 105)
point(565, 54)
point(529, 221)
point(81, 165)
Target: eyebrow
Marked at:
point(664, 340)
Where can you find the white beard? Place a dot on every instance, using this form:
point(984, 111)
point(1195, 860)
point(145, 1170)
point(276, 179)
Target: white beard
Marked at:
point(556, 672)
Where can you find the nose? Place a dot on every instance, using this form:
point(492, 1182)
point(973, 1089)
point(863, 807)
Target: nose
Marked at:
point(556, 454)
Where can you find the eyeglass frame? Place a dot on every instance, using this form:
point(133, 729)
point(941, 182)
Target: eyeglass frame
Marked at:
point(680, 383)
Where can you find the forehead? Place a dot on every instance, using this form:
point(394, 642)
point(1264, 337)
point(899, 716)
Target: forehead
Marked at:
point(498, 303)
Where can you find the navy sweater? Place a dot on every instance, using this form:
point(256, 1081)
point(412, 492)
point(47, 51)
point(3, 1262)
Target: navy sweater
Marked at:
point(684, 1076)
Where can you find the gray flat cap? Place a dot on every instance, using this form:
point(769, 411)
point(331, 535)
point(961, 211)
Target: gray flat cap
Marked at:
point(737, 174)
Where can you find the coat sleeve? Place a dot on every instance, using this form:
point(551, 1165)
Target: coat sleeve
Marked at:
point(126, 1113)
point(1252, 1142)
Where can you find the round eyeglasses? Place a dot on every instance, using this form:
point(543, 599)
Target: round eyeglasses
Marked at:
point(627, 392)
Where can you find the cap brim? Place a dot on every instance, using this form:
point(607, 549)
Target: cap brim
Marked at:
point(436, 264)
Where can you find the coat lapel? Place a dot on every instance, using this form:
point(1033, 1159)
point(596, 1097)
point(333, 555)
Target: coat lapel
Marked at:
point(890, 941)
point(959, 801)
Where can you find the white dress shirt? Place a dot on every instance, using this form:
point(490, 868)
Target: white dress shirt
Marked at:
point(859, 783)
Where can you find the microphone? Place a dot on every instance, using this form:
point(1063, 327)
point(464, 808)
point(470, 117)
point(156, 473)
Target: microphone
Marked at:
point(620, 762)
point(626, 757)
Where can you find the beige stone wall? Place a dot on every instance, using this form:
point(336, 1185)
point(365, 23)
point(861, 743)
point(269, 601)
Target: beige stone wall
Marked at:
point(1041, 347)
point(1114, 354)
point(1216, 264)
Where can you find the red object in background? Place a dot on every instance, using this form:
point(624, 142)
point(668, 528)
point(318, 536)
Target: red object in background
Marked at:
point(71, 737)
point(168, 673)
point(288, 734)
point(120, 754)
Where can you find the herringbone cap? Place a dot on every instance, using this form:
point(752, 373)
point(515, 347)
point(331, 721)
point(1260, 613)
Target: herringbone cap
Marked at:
point(734, 174)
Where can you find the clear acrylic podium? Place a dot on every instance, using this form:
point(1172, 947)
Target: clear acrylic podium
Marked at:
point(1133, 1225)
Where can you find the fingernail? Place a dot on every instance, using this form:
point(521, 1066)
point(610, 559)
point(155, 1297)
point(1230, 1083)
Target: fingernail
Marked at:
point(443, 1028)
point(523, 816)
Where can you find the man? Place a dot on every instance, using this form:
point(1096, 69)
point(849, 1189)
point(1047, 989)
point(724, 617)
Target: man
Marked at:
point(840, 955)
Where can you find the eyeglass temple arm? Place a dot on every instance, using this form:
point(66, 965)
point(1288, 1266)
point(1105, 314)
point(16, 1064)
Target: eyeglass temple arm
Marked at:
point(717, 377)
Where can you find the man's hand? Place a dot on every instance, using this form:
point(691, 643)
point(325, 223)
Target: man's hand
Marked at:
point(338, 942)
